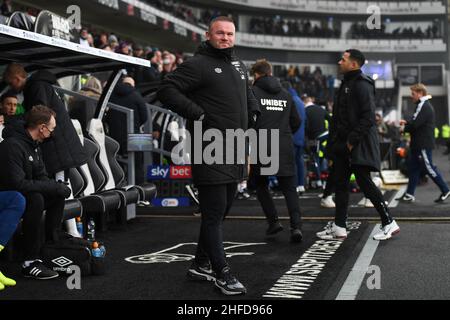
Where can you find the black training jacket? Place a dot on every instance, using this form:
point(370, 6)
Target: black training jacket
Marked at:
point(213, 83)
point(21, 165)
point(421, 127)
point(277, 112)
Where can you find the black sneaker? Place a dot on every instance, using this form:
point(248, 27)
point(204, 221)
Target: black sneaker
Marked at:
point(38, 270)
point(193, 193)
point(406, 197)
point(442, 197)
point(201, 272)
point(274, 228)
point(296, 235)
point(228, 284)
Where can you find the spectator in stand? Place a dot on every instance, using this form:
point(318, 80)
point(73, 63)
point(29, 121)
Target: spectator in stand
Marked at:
point(102, 41)
point(6, 8)
point(157, 61)
point(84, 34)
point(123, 48)
point(82, 110)
point(113, 42)
point(168, 63)
point(138, 51)
point(9, 103)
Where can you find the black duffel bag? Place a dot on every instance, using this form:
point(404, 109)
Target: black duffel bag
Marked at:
point(69, 251)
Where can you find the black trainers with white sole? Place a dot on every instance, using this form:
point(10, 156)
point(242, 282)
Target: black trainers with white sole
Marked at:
point(201, 272)
point(228, 284)
point(38, 270)
point(407, 198)
point(442, 197)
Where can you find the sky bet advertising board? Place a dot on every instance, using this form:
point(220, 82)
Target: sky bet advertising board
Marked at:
point(170, 182)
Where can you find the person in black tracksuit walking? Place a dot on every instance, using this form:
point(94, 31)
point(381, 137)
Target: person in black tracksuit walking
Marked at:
point(212, 89)
point(353, 146)
point(277, 112)
point(421, 127)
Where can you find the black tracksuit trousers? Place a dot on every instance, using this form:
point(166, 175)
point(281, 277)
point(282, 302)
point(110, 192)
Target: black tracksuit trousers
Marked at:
point(36, 203)
point(342, 172)
point(215, 203)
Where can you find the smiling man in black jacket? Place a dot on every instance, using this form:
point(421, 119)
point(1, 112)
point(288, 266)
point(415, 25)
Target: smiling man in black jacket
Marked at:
point(212, 87)
point(353, 146)
point(22, 169)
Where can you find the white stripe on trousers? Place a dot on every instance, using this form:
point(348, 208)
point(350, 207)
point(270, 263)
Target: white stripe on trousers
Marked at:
point(428, 164)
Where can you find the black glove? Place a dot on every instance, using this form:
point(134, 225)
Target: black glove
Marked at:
point(63, 190)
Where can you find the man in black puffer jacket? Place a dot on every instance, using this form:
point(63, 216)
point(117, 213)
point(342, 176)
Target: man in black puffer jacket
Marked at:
point(277, 112)
point(212, 87)
point(353, 146)
point(22, 169)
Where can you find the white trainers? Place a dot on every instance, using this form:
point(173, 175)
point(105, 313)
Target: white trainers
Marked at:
point(368, 203)
point(332, 232)
point(327, 202)
point(387, 231)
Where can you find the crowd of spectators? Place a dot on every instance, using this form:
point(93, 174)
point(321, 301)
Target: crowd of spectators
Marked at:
point(360, 31)
point(186, 13)
point(322, 87)
point(315, 83)
point(292, 27)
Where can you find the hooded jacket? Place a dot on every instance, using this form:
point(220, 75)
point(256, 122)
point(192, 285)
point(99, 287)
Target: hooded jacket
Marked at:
point(22, 167)
point(353, 122)
point(64, 150)
point(277, 112)
point(125, 95)
point(214, 85)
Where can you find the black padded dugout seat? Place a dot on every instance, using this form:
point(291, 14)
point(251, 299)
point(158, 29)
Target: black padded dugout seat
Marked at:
point(111, 168)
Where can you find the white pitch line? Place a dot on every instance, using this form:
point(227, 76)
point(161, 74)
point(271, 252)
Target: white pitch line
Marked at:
point(356, 276)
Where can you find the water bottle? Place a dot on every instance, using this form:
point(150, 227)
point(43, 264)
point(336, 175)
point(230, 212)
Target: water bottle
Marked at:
point(91, 230)
point(80, 226)
point(96, 252)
